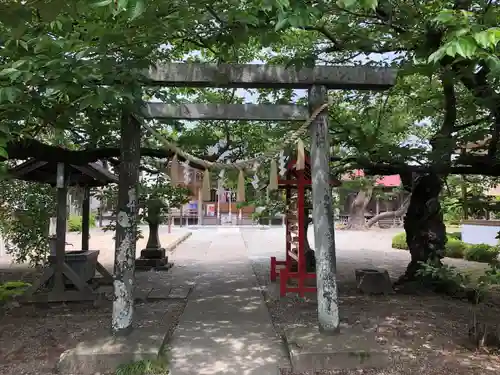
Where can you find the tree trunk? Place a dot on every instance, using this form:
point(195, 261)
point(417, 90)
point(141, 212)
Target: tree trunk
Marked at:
point(390, 214)
point(357, 210)
point(126, 225)
point(424, 226)
point(463, 186)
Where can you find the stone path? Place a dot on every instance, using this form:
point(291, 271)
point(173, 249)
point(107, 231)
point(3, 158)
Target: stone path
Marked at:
point(226, 327)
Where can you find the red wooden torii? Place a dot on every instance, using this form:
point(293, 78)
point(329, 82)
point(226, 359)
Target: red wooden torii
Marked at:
point(295, 266)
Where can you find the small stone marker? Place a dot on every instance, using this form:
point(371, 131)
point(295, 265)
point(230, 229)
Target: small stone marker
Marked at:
point(372, 281)
point(180, 292)
point(141, 294)
point(159, 293)
point(351, 348)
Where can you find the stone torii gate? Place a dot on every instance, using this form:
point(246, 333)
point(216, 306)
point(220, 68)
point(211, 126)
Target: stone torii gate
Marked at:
point(317, 80)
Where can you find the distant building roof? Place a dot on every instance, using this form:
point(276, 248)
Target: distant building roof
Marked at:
point(386, 181)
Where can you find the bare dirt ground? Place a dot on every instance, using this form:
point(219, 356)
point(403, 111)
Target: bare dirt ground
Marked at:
point(32, 337)
point(425, 334)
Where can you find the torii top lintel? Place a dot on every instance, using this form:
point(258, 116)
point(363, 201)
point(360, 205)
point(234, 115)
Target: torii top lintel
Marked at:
point(269, 76)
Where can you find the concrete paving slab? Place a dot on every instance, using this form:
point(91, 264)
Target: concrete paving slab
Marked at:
point(180, 291)
point(352, 348)
point(225, 327)
point(159, 293)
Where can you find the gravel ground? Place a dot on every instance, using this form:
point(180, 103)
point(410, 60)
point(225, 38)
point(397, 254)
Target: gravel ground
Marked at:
point(426, 334)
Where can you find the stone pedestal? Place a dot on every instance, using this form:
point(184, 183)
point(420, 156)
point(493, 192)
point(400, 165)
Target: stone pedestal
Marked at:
point(373, 281)
point(153, 256)
point(350, 349)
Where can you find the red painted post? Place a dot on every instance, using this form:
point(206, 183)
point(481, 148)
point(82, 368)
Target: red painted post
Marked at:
point(283, 281)
point(300, 213)
point(287, 226)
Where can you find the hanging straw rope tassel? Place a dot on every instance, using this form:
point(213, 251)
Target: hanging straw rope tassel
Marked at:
point(240, 192)
point(206, 186)
point(289, 140)
point(273, 176)
point(301, 155)
point(174, 171)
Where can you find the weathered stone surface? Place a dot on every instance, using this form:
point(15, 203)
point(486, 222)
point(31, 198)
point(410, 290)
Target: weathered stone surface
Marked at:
point(322, 214)
point(251, 112)
point(372, 281)
point(171, 247)
point(147, 264)
point(270, 76)
point(153, 253)
point(159, 293)
point(180, 291)
point(351, 348)
point(105, 355)
point(141, 294)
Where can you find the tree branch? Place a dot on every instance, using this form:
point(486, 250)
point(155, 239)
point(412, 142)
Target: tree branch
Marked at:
point(442, 143)
point(31, 148)
point(471, 123)
point(339, 45)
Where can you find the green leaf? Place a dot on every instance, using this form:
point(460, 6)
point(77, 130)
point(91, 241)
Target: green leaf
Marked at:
point(23, 44)
point(445, 16)
point(451, 48)
point(18, 63)
point(347, 4)
point(281, 24)
point(10, 93)
point(101, 3)
point(3, 153)
point(369, 4)
point(7, 72)
point(138, 9)
point(466, 47)
point(437, 55)
point(483, 39)
point(122, 5)
point(494, 36)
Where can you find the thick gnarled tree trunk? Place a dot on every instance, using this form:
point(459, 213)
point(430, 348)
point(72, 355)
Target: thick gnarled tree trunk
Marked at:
point(358, 208)
point(390, 214)
point(424, 226)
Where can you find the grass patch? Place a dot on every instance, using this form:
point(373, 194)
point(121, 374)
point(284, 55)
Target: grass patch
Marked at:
point(453, 228)
point(11, 289)
point(157, 366)
point(482, 253)
point(454, 248)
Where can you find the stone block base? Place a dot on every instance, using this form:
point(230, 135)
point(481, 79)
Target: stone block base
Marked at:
point(106, 354)
point(153, 253)
point(373, 281)
point(350, 349)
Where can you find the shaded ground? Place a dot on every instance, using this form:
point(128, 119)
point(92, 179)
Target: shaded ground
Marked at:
point(425, 334)
point(225, 328)
point(32, 337)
